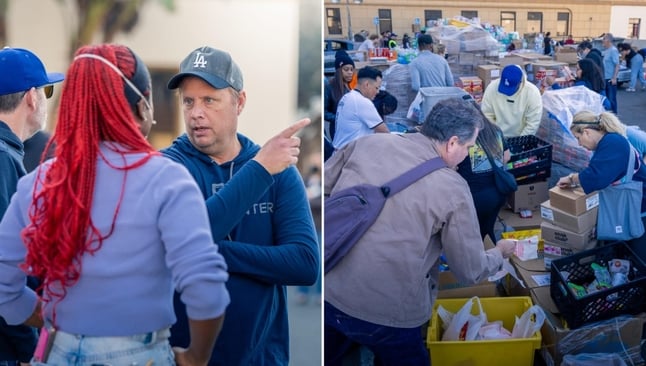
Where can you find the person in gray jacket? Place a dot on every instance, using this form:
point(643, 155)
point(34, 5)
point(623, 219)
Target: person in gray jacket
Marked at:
point(382, 292)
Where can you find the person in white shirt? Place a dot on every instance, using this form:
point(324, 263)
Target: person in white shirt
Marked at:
point(366, 46)
point(356, 115)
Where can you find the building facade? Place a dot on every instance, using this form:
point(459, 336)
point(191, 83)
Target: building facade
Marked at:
point(579, 18)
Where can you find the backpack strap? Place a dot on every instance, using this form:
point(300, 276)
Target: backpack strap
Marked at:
point(412, 176)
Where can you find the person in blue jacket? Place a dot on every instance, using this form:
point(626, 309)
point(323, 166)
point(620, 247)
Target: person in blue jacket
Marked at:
point(25, 86)
point(258, 209)
point(606, 136)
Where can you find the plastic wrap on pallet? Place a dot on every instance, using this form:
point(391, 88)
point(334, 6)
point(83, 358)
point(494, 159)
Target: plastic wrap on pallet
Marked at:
point(559, 108)
point(565, 148)
point(469, 38)
point(606, 336)
point(565, 103)
point(397, 82)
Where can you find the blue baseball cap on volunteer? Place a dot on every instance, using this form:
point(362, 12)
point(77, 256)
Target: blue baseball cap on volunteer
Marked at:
point(214, 66)
point(510, 79)
point(21, 70)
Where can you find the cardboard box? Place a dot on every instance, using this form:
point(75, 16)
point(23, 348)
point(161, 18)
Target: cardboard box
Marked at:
point(487, 73)
point(578, 224)
point(450, 288)
point(532, 273)
point(528, 197)
point(512, 60)
point(621, 335)
point(568, 239)
point(567, 57)
point(553, 251)
point(573, 201)
point(513, 220)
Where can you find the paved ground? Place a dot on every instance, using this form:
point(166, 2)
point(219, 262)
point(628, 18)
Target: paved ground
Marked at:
point(631, 107)
point(305, 330)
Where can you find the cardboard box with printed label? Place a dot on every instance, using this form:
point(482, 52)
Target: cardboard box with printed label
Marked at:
point(532, 273)
point(488, 73)
point(553, 251)
point(560, 218)
point(528, 196)
point(573, 201)
point(568, 239)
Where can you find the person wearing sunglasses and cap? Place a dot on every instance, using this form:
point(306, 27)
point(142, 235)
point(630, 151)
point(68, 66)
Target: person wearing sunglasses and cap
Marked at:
point(24, 89)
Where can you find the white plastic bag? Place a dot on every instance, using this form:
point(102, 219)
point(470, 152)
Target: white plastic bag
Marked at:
point(493, 330)
point(529, 323)
point(463, 325)
point(415, 110)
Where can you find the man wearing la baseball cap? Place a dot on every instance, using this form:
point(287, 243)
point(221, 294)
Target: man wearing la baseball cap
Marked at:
point(513, 103)
point(24, 88)
point(258, 207)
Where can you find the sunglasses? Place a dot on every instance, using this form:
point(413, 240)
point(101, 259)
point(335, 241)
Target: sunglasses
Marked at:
point(49, 91)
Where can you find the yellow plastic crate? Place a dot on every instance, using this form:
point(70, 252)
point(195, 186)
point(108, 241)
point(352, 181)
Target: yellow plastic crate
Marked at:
point(517, 352)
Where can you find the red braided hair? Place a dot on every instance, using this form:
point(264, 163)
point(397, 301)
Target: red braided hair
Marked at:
point(93, 108)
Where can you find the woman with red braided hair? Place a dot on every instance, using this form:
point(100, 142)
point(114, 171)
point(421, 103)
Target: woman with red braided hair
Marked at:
point(111, 228)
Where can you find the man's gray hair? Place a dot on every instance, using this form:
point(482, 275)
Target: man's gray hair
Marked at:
point(609, 37)
point(453, 116)
point(9, 102)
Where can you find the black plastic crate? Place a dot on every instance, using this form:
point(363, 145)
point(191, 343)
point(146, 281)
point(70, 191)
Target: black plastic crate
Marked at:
point(628, 298)
point(531, 159)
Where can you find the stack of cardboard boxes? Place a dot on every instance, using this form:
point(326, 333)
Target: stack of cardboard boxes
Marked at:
point(569, 223)
point(471, 85)
point(568, 226)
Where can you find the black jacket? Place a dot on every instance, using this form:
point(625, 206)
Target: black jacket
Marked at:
point(595, 56)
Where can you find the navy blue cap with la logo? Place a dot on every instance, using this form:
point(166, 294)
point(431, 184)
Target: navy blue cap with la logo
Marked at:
point(214, 66)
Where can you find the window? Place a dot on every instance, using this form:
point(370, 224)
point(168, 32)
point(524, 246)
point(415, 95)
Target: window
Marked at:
point(431, 15)
point(385, 20)
point(167, 111)
point(563, 24)
point(534, 22)
point(469, 14)
point(333, 16)
point(508, 20)
point(633, 27)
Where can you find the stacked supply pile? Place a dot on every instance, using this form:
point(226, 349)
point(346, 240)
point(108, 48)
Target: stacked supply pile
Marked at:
point(396, 81)
point(472, 85)
point(569, 223)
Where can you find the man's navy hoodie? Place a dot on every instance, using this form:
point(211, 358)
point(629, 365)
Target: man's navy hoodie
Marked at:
point(17, 342)
point(264, 230)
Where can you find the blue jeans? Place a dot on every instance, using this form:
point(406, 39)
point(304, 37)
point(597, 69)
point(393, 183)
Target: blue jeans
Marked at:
point(391, 346)
point(637, 71)
point(611, 94)
point(79, 350)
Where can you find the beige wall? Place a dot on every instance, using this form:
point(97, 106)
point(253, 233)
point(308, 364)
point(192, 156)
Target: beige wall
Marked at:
point(262, 37)
point(587, 18)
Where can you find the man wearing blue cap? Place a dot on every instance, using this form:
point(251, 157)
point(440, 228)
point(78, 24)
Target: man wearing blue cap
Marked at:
point(24, 88)
point(513, 103)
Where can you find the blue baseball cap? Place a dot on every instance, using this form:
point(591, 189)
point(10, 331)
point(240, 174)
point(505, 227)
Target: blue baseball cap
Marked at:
point(510, 79)
point(21, 70)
